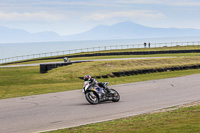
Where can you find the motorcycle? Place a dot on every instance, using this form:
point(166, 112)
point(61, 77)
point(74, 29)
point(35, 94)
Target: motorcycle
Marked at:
point(95, 94)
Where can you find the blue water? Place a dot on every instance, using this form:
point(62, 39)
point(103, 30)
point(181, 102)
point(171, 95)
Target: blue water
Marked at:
point(19, 49)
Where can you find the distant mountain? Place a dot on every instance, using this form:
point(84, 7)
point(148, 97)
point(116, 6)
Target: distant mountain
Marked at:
point(130, 30)
point(8, 35)
point(123, 30)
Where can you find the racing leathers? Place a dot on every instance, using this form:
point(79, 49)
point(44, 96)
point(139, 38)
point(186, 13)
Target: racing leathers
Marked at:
point(93, 81)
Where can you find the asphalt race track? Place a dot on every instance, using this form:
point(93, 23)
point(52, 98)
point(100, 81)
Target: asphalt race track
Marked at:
point(66, 109)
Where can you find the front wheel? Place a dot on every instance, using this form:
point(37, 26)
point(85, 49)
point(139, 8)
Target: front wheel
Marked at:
point(92, 98)
point(116, 96)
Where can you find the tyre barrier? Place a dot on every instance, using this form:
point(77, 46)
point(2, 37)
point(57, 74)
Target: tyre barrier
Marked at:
point(148, 71)
point(111, 75)
point(98, 77)
point(104, 76)
point(81, 78)
point(117, 74)
point(127, 73)
point(44, 68)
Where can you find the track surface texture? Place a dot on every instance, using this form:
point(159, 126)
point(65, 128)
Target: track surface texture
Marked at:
point(67, 109)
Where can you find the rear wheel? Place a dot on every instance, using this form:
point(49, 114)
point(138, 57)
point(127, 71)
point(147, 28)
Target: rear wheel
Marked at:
point(92, 98)
point(116, 96)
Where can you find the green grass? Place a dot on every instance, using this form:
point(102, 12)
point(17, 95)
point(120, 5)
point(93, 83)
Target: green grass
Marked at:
point(184, 120)
point(107, 67)
point(135, 56)
point(24, 81)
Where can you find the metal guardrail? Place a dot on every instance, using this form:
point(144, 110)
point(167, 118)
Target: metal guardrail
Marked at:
point(93, 49)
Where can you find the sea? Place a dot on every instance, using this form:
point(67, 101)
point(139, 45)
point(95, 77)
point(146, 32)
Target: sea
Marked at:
point(8, 50)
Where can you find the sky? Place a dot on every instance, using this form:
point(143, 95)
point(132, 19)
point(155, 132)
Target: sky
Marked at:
point(67, 17)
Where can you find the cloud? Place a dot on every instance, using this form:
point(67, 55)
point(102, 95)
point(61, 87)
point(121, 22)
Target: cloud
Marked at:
point(140, 1)
point(57, 3)
point(29, 16)
point(186, 4)
point(133, 14)
point(162, 2)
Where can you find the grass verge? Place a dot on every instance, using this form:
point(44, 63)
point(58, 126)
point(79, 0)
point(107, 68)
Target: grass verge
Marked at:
point(183, 120)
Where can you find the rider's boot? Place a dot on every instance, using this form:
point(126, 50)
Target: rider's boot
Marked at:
point(106, 88)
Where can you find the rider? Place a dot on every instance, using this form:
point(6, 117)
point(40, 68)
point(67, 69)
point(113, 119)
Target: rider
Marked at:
point(93, 81)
